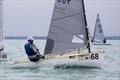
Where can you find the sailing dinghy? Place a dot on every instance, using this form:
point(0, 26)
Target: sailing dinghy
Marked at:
point(67, 35)
point(98, 36)
point(3, 56)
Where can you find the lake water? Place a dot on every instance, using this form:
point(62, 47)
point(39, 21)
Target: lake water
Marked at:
point(15, 50)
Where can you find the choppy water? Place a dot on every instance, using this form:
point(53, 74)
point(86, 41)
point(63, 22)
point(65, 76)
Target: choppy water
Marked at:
point(15, 50)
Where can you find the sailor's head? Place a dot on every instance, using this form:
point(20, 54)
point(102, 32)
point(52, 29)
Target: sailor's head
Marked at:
point(30, 40)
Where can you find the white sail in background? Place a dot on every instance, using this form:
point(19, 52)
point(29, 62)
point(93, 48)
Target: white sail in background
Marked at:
point(68, 22)
point(98, 35)
point(1, 24)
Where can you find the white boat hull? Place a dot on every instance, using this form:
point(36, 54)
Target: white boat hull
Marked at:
point(76, 62)
point(96, 63)
point(3, 59)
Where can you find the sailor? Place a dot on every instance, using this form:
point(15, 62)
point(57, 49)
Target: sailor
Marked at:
point(32, 51)
point(104, 41)
point(2, 55)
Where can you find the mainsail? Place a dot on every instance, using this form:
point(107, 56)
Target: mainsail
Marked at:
point(98, 35)
point(1, 24)
point(68, 22)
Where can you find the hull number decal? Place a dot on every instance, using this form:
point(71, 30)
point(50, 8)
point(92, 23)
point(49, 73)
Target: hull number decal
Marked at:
point(94, 56)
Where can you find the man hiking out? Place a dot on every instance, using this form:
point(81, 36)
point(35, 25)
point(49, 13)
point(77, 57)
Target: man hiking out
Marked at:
point(32, 51)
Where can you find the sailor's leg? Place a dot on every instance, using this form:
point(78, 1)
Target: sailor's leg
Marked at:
point(40, 56)
point(35, 59)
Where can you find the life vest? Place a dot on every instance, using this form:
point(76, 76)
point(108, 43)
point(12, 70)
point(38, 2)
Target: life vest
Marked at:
point(28, 49)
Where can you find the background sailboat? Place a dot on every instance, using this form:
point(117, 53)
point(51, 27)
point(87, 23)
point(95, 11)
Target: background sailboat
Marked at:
point(98, 36)
point(67, 34)
point(2, 55)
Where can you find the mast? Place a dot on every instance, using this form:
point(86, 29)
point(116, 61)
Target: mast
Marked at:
point(1, 24)
point(88, 42)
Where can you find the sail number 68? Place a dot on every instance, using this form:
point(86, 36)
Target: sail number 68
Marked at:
point(94, 56)
point(64, 1)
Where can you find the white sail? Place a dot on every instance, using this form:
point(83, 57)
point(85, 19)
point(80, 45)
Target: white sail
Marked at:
point(98, 35)
point(68, 22)
point(1, 24)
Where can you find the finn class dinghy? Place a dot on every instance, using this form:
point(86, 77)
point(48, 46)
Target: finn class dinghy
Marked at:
point(67, 35)
point(98, 36)
point(3, 56)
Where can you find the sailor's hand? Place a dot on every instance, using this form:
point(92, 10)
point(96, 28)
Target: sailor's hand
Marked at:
point(37, 49)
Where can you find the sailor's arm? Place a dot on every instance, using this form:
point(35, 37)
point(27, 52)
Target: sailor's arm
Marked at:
point(34, 48)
